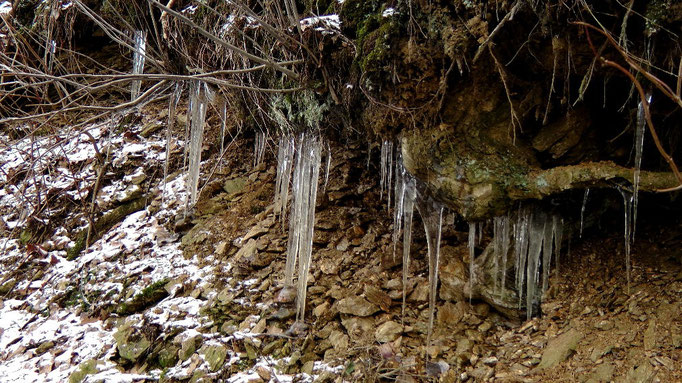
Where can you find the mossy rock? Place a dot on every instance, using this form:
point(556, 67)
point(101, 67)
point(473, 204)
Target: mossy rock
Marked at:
point(188, 347)
point(84, 369)
point(168, 356)
point(131, 342)
point(214, 355)
point(149, 296)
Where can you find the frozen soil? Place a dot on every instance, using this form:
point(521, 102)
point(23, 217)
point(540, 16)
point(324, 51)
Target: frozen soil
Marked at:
point(175, 297)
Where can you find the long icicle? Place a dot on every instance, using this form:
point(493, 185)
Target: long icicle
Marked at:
point(139, 56)
point(432, 216)
point(472, 254)
point(198, 116)
point(295, 216)
point(582, 211)
point(639, 148)
point(312, 163)
point(172, 112)
point(408, 210)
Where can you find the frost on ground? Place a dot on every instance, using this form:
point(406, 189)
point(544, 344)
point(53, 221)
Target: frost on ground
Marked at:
point(88, 319)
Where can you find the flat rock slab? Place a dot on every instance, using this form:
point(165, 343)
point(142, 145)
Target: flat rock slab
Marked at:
point(560, 348)
point(357, 306)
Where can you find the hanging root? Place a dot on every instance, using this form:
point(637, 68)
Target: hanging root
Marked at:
point(514, 116)
point(662, 86)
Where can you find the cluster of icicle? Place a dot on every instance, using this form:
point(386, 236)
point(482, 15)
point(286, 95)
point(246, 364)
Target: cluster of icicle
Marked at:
point(534, 236)
point(408, 194)
point(537, 236)
point(140, 38)
point(303, 155)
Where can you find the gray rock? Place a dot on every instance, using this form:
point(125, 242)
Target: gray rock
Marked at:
point(357, 306)
point(560, 348)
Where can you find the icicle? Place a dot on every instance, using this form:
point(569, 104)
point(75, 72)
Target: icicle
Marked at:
point(258, 148)
point(558, 229)
point(639, 147)
point(223, 127)
point(285, 157)
point(384, 171)
point(399, 201)
point(535, 240)
point(140, 38)
point(390, 174)
point(410, 196)
point(172, 110)
point(521, 229)
point(582, 211)
point(312, 161)
point(472, 254)
point(501, 248)
point(295, 216)
point(302, 220)
point(628, 211)
point(197, 116)
point(369, 153)
point(432, 215)
point(327, 167)
point(547, 243)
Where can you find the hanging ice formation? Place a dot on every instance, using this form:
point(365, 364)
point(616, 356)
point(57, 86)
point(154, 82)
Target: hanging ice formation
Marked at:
point(140, 38)
point(582, 211)
point(432, 216)
point(501, 242)
point(628, 212)
point(537, 236)
point(405, 197)
point(197, 113)
point(285, 159)
point(472, 254)
point(172, 109)
point(386, 169)
point(302, 215)
point(327, 167)
point(223, 126)
point(639, 148)
point(258, 148)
